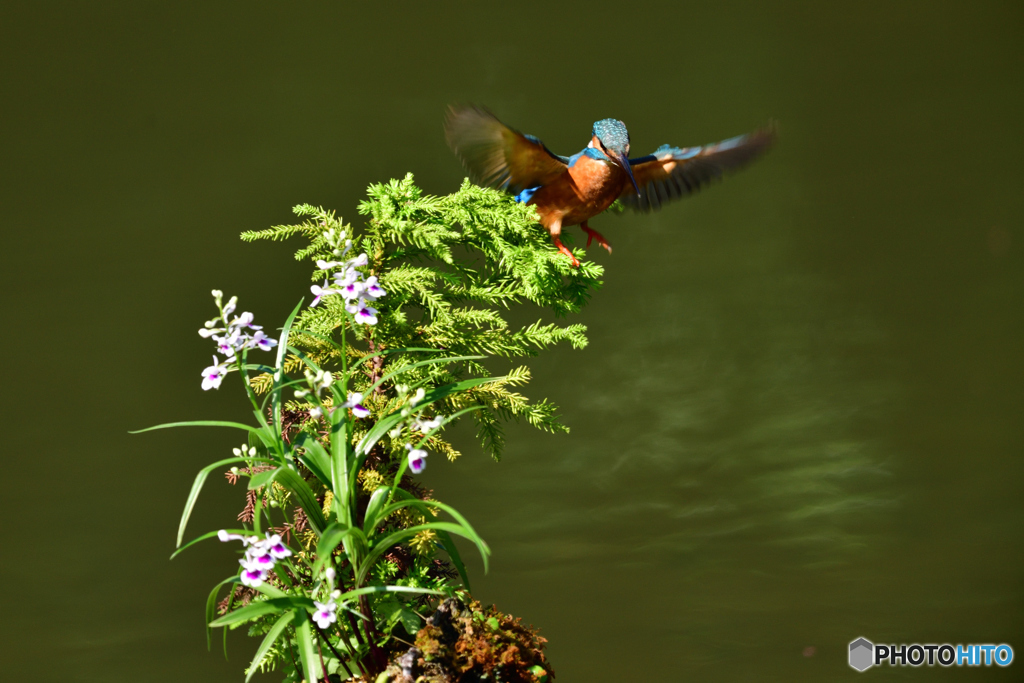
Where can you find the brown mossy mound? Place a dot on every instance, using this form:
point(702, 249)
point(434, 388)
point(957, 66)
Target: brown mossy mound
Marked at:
point(467, 643)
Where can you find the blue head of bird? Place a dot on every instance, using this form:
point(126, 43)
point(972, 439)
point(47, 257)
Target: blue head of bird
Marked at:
point(612, 138)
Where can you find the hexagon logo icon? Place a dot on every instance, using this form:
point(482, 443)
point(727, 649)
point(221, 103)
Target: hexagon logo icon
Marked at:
point(862, 654)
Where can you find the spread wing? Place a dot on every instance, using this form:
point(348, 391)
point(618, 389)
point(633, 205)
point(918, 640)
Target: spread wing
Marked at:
point(673, 173)
point(498, 156)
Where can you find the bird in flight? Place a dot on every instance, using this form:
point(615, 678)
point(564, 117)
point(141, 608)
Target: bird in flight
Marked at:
point(572, 190)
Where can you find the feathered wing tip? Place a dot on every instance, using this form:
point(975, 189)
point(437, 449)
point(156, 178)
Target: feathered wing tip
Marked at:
point(673, 173)
point(495, 154)
point(476, 136)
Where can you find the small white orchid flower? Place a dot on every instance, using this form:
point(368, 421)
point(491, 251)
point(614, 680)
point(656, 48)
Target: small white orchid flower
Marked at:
point(224, 536)
point(345, 277)
point(320, 292)
point(325, 615)
point(261, 341)
point(259, 557)
point(208, 332)
point(359, 261)
point(372, 290)
point(426, 425)
point(252, 576)
point(316, 413)
point(418, 396)
point(214, 375)
point(417, 459)
point(230, 306)
point(322, 380)
point(229, 343)
point(353, 290)
point(362, 312)
point(355, 403)
point(245, 320)
point(273, 545)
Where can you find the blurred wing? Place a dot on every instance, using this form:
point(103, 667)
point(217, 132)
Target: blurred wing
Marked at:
point(673, 173)
point(498, 156)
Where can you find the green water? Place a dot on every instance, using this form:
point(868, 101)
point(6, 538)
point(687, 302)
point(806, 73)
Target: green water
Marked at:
point(799, 419)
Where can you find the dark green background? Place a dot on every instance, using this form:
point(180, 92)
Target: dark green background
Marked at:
point(799, 417)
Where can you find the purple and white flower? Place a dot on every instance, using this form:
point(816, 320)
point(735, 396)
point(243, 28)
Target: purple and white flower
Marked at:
point(320, 292)
point(363, 313)
point(214, 375)
point(325, 614)
point(355, 403)
point(261, 341)
point(372, 290)
point(417, 459)
point(252, 576)
point(258, 556)
point(244, 320)
point(352, 290)
point(275, 547)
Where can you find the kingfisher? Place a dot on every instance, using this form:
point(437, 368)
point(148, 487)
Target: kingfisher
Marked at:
point(571, 190)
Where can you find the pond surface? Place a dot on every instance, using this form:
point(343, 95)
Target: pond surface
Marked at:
point(799, 418)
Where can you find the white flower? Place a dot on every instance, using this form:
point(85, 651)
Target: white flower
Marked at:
point(316, 413)
point(355, 403)
point(362, 312)
point(229, 307)
point(325, 615)
point(426, 425)
point(208, 332)
point(352, 290)
point(259, 557)
point(418, 396)
point(273, 545)
point(320, 292)
point(224, 536)
point(252, 576)
point(372, 289)
point(417, 459)
point(322, 380)
point(260, 340)
point(214, 375)
point(345, 277)
point(228, 344)
point(245, 320)
point(327, 265)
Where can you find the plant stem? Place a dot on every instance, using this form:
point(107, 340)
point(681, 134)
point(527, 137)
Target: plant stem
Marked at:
point(319, 651)
point(337, 654)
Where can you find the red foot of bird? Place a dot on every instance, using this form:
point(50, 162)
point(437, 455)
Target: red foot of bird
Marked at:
point(562, 248)
point(595, 235)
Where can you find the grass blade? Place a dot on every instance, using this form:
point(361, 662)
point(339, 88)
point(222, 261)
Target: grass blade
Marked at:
point(197, 486)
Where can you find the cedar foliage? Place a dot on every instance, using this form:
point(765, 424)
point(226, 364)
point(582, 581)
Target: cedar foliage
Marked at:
point(452, 267)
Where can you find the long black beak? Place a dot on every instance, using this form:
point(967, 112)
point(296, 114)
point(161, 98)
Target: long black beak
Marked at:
point(624, 163)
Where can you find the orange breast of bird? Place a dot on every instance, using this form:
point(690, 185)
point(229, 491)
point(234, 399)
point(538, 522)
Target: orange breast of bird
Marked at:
point(587, 188)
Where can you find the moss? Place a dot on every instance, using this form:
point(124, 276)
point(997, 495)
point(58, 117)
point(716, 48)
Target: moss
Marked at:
point(466, 643)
